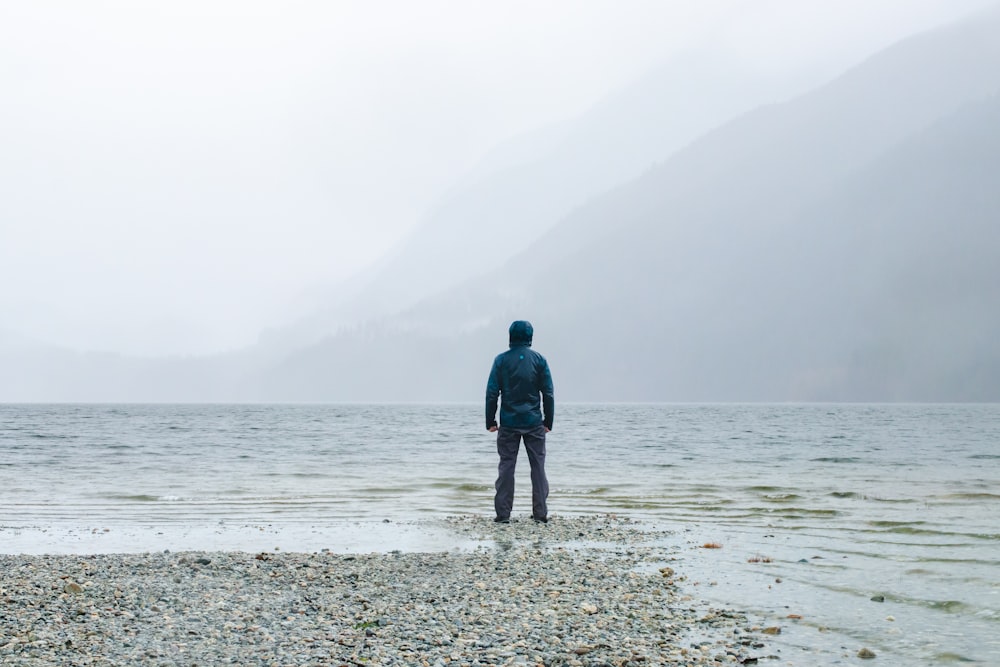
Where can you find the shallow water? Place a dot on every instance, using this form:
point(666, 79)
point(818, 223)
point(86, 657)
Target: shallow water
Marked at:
point(842, 503)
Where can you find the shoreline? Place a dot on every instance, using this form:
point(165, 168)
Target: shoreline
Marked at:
point(137, 537)
point(581, 591)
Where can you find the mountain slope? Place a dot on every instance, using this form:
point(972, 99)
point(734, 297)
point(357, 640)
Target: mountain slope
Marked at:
point(530, 183)
point(734, 271)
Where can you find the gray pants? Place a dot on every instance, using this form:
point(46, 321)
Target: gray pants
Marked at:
point(508, 444)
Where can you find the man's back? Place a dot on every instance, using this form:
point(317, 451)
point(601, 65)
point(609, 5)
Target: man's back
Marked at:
point(520, 377)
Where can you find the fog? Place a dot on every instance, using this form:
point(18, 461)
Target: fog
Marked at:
point(256, 179)
point(176, 175)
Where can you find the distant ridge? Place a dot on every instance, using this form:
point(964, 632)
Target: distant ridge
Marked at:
point(748, 265)
point(838, 246)
point(527, 185)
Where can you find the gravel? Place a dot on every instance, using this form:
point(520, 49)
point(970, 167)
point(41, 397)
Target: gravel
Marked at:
point(582, 591)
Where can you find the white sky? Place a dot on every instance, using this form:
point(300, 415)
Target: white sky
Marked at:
point(174, 175)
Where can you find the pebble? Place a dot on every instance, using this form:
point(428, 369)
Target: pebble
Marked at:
point(586, 591)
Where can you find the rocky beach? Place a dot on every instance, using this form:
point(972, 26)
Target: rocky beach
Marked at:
point(585, 591)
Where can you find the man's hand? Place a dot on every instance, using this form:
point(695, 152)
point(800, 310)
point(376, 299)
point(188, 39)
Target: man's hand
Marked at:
point(548, 430)
point(492, 429)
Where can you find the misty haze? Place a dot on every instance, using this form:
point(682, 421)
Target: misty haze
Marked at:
point(729, 270)
point(747, 202)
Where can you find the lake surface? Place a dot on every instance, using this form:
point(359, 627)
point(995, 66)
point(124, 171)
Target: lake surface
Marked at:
point(818, 508)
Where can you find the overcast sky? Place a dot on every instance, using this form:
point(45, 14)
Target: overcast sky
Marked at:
point(174, 176)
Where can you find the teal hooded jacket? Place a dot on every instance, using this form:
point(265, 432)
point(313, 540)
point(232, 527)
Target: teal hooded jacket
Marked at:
point(521, 382)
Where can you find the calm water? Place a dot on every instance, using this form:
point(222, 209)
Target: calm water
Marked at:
point(840, 502)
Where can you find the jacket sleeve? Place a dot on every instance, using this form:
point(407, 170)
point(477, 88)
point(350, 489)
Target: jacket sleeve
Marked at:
point(548, 397)
point(492, 394)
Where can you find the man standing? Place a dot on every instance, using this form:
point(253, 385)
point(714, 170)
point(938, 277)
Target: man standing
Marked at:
point(521, 380)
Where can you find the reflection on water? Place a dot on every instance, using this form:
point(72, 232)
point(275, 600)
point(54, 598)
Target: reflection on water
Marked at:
point(842, 503)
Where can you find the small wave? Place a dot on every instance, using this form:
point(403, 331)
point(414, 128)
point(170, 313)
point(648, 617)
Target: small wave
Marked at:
point(625, 503)
point(971, 496)
point(781, 497)
point(464, 487)
point(799, 512)
point(141, 497)
point(905, 529)
point(836, 459)
point(702, 488)
point(705, 502)
point(473, 488)
point(947, 606)
point(947, 658)
point(878, 499)
point(386, 489)
point(985, 457)
point(895, 524)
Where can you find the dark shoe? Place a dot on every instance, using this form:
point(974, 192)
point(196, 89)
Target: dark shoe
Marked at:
point(540, 519)
point(502, 519)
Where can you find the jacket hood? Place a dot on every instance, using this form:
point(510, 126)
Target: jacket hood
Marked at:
point(521, 332)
